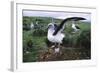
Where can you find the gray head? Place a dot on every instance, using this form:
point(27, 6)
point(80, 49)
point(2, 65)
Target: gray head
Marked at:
point(52, 26)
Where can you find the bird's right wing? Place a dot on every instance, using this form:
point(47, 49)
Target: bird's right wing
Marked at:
point(61, 26)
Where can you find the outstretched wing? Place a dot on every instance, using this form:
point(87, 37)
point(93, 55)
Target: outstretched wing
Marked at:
point(61, 26)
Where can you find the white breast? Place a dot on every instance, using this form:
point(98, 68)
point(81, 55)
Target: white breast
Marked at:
point(57, 38)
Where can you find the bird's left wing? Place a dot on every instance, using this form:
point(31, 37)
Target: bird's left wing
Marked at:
point(60, 27)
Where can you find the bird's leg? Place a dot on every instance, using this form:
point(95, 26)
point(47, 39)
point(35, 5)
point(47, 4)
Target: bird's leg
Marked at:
point(59, 45)
point(55, 44)
point(60, 52)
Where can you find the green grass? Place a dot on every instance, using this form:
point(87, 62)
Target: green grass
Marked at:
point(34, 43)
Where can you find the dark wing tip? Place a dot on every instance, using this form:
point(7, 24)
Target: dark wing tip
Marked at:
point(76, 18)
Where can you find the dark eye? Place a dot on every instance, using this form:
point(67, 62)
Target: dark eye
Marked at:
point(49, 26)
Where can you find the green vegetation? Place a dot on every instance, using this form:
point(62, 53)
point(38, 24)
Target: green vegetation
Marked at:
point(75, 45)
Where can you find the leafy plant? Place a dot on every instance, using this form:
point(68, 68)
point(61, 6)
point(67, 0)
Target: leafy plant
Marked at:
point(84, 40)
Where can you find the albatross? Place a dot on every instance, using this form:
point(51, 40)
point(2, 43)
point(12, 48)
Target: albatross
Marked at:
point(55, 32)
point(75, 26)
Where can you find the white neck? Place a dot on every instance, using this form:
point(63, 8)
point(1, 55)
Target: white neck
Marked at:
point(50, 31)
